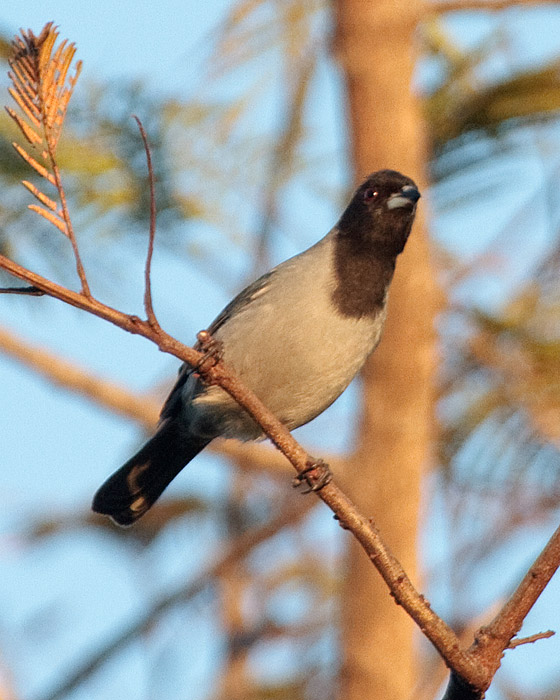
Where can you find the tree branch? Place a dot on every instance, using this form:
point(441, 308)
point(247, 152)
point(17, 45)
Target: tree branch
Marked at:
point(491, 640)
point(478, 664)
point(439, 633)
point(66, 374)
point(69, 227)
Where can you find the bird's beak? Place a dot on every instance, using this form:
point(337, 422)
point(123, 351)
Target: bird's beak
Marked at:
point(407, 198)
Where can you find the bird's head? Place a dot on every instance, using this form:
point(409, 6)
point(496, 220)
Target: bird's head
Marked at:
point(381, 212)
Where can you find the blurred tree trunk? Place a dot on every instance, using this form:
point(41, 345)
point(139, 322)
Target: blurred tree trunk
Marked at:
point(375, 46)
point(234, 680)
point(234, 683)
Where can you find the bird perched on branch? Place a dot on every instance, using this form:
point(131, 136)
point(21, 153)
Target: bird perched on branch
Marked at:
point(296, 337)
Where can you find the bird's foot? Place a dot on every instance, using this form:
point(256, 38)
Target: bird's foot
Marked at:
point(316, 473)
point(212, 350)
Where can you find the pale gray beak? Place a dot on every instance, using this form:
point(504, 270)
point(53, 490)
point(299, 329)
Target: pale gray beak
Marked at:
point(407, 197)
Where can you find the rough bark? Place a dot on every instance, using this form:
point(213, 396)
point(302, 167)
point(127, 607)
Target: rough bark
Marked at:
point(375, 46)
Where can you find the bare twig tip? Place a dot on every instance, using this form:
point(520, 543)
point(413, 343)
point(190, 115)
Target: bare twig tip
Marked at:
point(148, 305)
point(531, 639)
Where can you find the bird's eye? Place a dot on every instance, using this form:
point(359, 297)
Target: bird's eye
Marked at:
point(370, 194)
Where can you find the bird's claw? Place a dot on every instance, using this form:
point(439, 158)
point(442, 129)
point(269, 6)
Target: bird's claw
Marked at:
point(317, 474)
point(212, 350)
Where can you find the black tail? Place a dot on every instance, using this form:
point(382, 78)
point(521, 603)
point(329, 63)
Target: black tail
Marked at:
point(136, 486)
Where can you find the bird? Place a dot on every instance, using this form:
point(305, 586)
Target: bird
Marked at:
point(296, 337)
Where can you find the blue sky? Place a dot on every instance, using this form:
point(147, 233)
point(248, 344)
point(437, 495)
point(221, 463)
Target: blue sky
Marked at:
point(127, 39)
point(56, 448)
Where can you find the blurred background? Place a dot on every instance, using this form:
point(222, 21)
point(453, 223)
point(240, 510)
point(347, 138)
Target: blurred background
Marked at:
point(262, 115)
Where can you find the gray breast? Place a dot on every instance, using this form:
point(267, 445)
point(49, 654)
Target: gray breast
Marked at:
point(291, 346)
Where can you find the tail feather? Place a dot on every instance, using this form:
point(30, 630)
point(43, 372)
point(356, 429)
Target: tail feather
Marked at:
point(136, 486)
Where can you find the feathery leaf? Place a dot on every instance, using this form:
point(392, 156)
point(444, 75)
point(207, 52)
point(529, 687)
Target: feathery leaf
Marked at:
point(42, 86)
point(49, 216)
point(43, 172)
point(47, 201)
point(42, 89)
point(30, 134)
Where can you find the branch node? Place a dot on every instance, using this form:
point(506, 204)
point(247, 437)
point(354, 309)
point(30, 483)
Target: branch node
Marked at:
point(343, 524)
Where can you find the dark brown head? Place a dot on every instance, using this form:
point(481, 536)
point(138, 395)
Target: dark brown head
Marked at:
point(381, 212)
point(369, 236)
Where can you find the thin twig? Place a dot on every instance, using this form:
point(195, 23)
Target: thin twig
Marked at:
point(152, 320)
point(29, 291)
point(531, 639)
point(69, 228)
point(42, 90)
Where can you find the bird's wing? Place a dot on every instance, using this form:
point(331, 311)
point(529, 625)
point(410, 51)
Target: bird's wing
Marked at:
point(238, 303)
point(172, 406)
